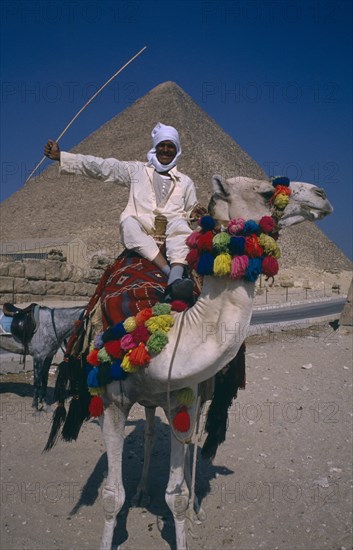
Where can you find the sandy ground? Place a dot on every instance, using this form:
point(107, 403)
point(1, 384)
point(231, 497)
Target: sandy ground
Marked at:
point(282, 480)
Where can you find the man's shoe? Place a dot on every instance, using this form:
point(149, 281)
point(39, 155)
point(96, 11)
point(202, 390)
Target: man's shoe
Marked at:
point(180, 289)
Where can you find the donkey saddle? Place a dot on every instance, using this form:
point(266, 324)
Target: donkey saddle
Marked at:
point(24, 322)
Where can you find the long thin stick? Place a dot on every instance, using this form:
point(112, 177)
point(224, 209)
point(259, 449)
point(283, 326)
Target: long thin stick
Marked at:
point(87, 103)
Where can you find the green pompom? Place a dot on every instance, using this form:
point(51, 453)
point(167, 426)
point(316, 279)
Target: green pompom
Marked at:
point(161, 309)
point(104, 357)
point(186, 397)
point(221, 241)
point(156, 342)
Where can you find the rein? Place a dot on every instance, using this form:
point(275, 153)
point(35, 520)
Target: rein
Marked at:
point(55, 331)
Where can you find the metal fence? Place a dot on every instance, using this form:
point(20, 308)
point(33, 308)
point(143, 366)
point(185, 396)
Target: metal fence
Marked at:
point(279, 295)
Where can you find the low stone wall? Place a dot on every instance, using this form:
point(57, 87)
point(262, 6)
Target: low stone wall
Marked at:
point(27, 280)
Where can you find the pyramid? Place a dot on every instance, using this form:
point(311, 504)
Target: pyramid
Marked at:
point(86, 209)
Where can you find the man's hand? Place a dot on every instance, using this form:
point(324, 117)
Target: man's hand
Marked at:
point(51, 150)
point(197, 212)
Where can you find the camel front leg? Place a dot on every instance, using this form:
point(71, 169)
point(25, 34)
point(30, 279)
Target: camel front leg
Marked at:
point(142, 497)
point(177, 493)
point(113, 426)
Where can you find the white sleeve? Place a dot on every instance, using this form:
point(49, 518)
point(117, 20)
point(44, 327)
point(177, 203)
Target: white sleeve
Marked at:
point(107, 170)
point(190, 197)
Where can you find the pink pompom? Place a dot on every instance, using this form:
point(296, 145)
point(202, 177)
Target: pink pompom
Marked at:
point(236, 225)
point(270, 266)
point(239, 265)
point(267, 224)
point(127, 342)
point(192, 239)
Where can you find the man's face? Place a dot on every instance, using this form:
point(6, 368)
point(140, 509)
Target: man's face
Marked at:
point(165, 152)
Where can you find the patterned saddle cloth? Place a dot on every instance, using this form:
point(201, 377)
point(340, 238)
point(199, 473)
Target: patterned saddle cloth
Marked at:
point(131, 285)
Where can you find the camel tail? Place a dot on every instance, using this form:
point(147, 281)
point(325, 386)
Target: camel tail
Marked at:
point(227, 383)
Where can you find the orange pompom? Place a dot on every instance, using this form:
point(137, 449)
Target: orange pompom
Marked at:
point(252, 247)
point(92, 358)
point(113, 347)
point(139, 356)
point(143, 315)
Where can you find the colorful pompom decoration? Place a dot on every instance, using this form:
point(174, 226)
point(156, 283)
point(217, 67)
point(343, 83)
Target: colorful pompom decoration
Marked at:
point(270, 266)
point(205, 264)
point(156, 342)
point(239, 267)
point(116, 372)
point(185, 397)
point(113, 348)
point(181, 421)
point(127, 342)
point(161, 309)
point(205, 242)
point(192, 258)
point(221, 241)
point(129, 324)
point(139, 356)
point(96, 407)
point(142, 316)
point(179, 305)
point(92, 358)
point(252, 248)
point(207, 223)
point(236, 226)
point(103, 356)
point(267, 224)
point(254, 269)
point(250, 227)
point(280, 180)
point(222, 265)
point(192, 239)
point(237, 245)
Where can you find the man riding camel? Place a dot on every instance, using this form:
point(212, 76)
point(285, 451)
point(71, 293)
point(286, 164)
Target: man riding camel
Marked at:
point(156, 188)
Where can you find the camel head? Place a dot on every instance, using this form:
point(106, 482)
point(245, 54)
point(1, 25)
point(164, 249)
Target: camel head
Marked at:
point(250, 199)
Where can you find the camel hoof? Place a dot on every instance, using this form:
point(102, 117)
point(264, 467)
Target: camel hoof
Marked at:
point(201, 514)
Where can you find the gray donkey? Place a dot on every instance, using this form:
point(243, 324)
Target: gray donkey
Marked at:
point(52, 326)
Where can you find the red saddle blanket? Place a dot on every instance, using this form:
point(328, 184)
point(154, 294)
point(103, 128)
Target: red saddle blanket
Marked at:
point(128, 286)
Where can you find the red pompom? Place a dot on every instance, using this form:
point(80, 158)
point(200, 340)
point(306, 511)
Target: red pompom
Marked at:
point(143, 316)
point(181, 420)
point(140, 334)
point(113, 348)
point(269, 266)
point(96, 406)
point(192, 258)
point(178, 305)
point(267, 224)
point(252, 247)
point(204, 242)
point(92, 358)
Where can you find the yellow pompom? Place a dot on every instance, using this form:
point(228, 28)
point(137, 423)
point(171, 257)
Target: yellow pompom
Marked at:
point(186, 397)
point(281, 201)
point(222, 264)
point(130, 324)
point(127, 366)
point(97, 391)
point(161, 322)
point(269, 245)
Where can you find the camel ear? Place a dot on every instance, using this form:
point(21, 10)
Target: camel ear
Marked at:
point(220, 187)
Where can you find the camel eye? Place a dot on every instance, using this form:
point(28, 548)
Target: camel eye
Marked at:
point(320, 193)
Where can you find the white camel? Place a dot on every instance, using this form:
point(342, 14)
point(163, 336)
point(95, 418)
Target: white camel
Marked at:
point(202, 341)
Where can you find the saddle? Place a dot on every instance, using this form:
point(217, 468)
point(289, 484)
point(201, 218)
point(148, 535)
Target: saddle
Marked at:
point(24, 322)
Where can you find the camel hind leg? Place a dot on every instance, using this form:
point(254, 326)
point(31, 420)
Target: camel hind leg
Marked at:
point(113, 427)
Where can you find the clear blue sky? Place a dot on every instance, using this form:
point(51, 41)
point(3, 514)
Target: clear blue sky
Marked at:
point(275, 75)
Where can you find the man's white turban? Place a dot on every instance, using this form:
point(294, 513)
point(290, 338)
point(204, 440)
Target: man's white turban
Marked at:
point(161, 132)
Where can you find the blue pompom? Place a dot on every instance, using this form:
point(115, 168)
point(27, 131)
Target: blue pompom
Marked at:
point(92, 378)
point(116, 372)
point(114, 333)
point(250, 227)
point(205, 264)
point(254, 269)
point(207, 223)
point(280, 180)
point(236, 246)
point(88, 368)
